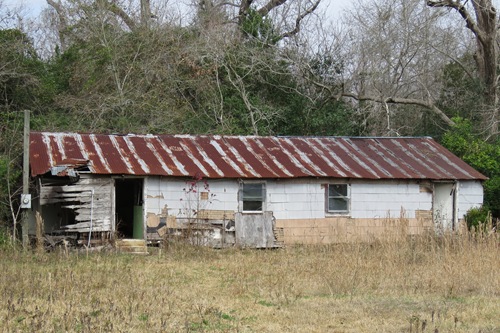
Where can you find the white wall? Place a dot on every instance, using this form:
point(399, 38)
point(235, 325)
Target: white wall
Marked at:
point(380, 200)
point(303, 199)
point(470, 194)
point(175, 195)
point(296, 199)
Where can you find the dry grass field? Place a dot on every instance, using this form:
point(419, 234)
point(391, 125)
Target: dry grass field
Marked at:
point(429, 284)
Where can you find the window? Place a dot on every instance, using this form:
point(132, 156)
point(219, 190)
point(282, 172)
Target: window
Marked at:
point(252, 197)
point(338, 198)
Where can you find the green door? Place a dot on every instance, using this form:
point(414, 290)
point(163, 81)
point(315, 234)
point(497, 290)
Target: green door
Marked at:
point(138, 223)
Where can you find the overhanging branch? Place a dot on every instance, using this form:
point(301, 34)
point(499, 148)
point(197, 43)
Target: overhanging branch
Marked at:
point(115, 9)
point(62, 25)
point(469, 21)
point(270, 6)
point(299, 20)
point(406, 101)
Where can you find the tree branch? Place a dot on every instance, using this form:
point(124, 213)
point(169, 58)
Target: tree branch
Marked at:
point(270, 6)
point(405, 101)
point(115, 9)
point(299, 19)
point(62, 26)
point(469, 21)
point(243, 12)
point(455, 60)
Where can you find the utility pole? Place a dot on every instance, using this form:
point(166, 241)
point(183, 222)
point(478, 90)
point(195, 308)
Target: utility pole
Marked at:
point(25, 197)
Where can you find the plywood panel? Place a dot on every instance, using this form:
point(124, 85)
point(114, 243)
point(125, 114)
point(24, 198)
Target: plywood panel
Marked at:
point(216, 214)
point(331, 230)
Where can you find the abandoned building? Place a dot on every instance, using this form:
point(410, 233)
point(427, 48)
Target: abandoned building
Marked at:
point(246, 190)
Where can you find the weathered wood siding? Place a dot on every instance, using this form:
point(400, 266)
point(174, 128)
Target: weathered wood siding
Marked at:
point(254, 230)
point(56, 200)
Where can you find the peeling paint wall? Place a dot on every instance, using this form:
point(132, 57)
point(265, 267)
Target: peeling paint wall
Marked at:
point(178, 197)
point(298, 205)
point(205, 210)
point(200, 211)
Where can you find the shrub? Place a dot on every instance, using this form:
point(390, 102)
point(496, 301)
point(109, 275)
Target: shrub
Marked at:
point(481, 155)
point(478, 218)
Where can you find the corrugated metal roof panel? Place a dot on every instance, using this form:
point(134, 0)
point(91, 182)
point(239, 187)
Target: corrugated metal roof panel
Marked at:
point(249, 156)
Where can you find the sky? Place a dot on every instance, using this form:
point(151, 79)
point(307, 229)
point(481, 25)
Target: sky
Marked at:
point(33, 7)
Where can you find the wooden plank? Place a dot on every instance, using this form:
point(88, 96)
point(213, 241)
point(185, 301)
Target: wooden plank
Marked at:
point(99, 198)
point(171, 221)
point(86, 229)
point(83, 198)
point(152, 220)
point(95, 209)
point(88, 206)
point(95, 216)
point(82, 194)
point(162, 231)
point(75, 187)
point(96, 224)
point(215, 214)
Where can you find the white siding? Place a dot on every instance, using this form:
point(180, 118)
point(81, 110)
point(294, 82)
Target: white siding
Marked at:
point(470, 194)
point(293, 199)
point(387, 199)
point(304, 199)
point(173, 194)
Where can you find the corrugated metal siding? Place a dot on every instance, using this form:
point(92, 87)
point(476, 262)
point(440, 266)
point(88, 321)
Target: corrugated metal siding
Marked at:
point(249, 156)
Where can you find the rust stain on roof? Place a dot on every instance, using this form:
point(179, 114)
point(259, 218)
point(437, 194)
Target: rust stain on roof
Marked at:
point(248, 156)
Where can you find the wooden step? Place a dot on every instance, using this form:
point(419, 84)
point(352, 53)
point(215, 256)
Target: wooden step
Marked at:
point(135, 246)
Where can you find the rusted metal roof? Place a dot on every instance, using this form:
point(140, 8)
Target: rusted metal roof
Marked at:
point(217, 156)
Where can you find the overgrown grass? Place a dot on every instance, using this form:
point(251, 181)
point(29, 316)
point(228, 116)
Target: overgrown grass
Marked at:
point(426, 284)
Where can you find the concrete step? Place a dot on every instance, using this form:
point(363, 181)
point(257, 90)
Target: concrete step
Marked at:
point(135, 246)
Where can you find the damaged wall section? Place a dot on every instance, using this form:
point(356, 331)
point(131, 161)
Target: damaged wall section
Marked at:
point(75, 207)
point(201, 212)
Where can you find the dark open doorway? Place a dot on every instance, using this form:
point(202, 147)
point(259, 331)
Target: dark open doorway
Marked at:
point(128, 208)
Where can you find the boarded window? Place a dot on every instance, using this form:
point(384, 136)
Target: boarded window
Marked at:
point(252, 197)
point(338, 198)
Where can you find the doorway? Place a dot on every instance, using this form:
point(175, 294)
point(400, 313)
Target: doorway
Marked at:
point(128, 208)
point(444, 203)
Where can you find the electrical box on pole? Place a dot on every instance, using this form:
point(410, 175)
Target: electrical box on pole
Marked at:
point(26, 197)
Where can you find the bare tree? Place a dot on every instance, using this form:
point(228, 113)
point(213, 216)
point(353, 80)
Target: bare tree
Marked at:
point(128, 64)
point(287, 16)
point(17, 83)
point(393, 53)
point(484, 27)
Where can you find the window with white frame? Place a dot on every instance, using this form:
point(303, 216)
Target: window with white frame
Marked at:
point(338, 198)
point(252, 197)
